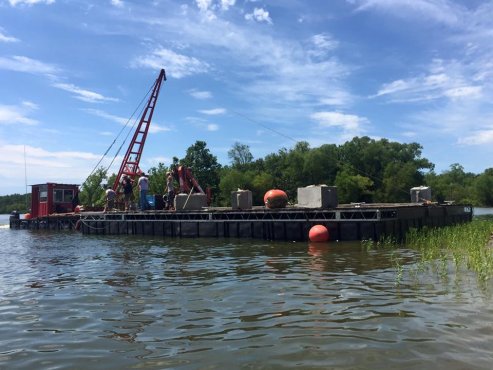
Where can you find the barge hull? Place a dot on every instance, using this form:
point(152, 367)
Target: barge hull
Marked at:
point(345, 223)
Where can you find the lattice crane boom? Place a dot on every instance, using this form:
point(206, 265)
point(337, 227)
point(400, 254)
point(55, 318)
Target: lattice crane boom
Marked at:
point(130, 163)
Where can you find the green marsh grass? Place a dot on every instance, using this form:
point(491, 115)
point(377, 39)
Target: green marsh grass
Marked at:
point(465, 245)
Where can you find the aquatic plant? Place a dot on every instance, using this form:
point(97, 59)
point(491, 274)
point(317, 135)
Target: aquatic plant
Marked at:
point(465, 245)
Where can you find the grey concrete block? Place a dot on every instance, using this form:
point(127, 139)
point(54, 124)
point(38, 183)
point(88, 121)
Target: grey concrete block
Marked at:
point(420, 194)
point(241, 199)
point(194, 202)
point(318, 196)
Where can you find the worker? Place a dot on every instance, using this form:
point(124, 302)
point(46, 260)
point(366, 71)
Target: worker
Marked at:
point(143, 188)
point(170, 189)
point(110, 199)
point(128, 191)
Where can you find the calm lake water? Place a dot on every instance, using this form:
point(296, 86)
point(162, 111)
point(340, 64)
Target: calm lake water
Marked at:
point(69, 301)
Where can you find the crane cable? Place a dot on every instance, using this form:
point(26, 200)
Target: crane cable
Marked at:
point(117, 136)
point(372, 177)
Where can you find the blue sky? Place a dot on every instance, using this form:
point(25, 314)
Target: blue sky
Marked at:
point(262, 73)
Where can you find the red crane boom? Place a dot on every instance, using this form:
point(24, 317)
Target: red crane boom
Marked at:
point(130, 163)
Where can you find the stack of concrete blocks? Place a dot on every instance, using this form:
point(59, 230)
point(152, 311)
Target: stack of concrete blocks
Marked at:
point(318, 196)
point(190, 202)
point(241, 199)
point(420, 194)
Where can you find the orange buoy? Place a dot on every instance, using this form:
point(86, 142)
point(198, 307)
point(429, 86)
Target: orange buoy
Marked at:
point(27, 216)
point(318, 233)
point(275, 198)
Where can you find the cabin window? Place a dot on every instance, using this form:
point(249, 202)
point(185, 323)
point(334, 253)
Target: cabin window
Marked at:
point(43, 193)
point(63, 195)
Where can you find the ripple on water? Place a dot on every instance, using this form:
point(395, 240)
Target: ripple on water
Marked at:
point(74, 301)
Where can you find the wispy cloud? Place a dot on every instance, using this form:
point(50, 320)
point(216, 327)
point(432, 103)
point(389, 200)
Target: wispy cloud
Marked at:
point(259, 15)
point(351, 125)
point(27, 65)
point(213, 112)
point(42, 166)
point(177, 65)
point(17, 114)
point(30, 2)
point(153, 128)
point(5, 38)
point(108, 116)
point(480, 137)
point(201, 95)
point(83, 94)
point(443, 11)
point(212, 127)
point(117, 3)
point(443, 80)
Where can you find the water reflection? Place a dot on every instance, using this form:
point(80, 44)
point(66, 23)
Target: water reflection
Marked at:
point(189, 304)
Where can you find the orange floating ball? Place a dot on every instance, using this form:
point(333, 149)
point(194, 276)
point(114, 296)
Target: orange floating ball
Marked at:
point(318, 233)
point(27, 216)
point(275, 198)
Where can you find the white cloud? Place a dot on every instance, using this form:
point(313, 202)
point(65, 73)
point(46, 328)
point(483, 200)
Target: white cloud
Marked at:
point(203, 5)
point(24, 64)
point(464, 91)
point(5, 38)
point(213, 112)
point(226, 4)
point(443, 11)
point(212, 127)
point(201, 95)
point(42, 166)
point(351, 124)
point(153, 128)
point(443, 80)
point(30, 2)
point(177, 65)
point(321, 44)
point(481, 137)
point(17, 114)
point(117, 3)
point(259, 15)
point(108, 116)
point(82, 94)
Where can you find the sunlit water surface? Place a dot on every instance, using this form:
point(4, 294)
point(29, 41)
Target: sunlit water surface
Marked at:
point(69, 301)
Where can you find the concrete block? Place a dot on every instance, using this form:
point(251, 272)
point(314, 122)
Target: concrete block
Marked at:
point(241, 199)
point(420, 194)
point(194, 202)
point(318, 196)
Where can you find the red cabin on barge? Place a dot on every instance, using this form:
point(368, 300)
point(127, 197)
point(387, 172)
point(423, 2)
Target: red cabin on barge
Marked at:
point(50, 198)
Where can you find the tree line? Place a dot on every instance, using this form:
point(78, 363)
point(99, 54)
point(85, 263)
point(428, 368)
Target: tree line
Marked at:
point(363, 169)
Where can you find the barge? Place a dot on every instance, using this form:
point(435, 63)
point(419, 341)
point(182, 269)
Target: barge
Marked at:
point(345, 222)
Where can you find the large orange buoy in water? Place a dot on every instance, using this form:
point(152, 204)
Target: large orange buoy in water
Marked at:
point(275, 198)
point(27, 216)
point(318, 233)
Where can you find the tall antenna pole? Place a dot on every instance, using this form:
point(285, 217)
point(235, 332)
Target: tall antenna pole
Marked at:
point(25, 175)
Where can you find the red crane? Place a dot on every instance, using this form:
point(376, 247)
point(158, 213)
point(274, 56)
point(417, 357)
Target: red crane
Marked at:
point(130, 163)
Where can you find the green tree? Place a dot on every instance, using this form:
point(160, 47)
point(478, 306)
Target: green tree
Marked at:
point(453, 185)
point(483, 185)
point(353, 187)
point(240, 155)
point(15, 202)
point(232, 180)
point(204, 165)
point(92, 190)
point(157, 179)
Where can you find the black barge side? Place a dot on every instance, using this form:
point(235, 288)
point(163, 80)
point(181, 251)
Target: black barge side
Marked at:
point(346, 222)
